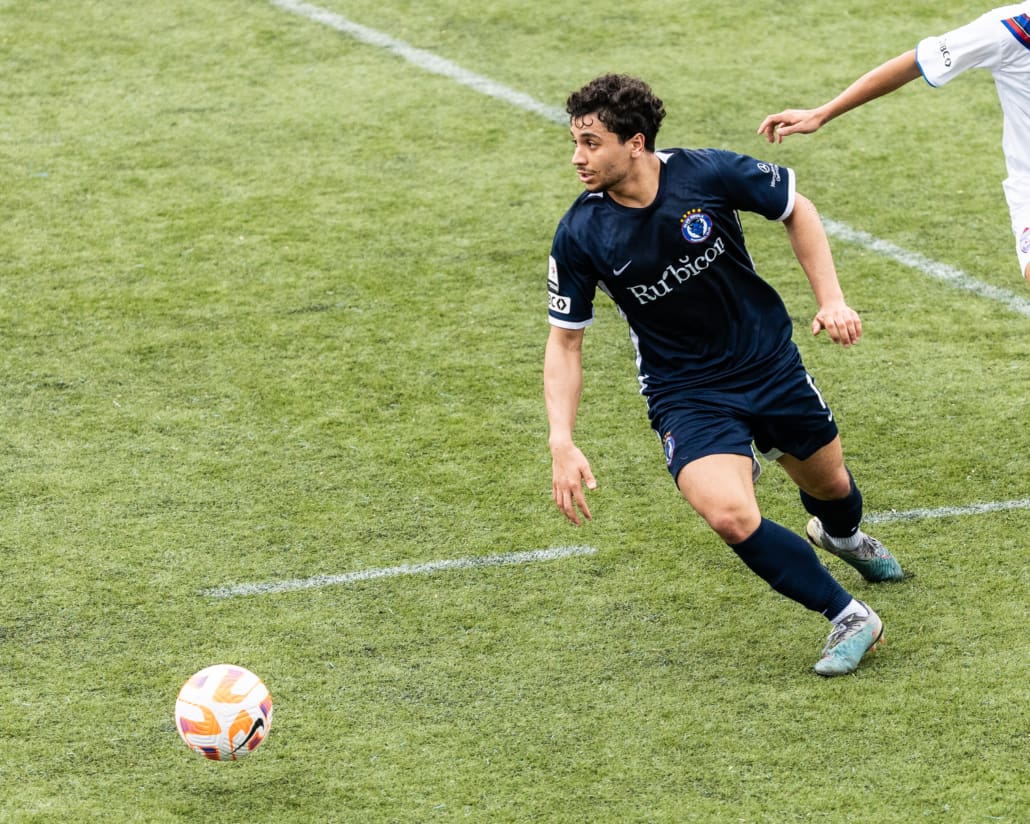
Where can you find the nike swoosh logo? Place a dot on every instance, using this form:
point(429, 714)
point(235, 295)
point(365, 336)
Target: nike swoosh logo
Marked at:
point(254, 730)
point(621, 269)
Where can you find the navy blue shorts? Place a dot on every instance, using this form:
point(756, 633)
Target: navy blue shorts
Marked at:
point(782, 414)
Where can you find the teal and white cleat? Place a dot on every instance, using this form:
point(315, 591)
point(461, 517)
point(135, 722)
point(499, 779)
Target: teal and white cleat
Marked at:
point(848, 642)
point(870, 557)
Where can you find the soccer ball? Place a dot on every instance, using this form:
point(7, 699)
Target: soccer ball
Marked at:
point(223, 712)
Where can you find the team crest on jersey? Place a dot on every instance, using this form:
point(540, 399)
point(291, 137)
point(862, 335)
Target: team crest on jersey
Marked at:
point(696, 226)
point(1024, 241)
point(669, 445)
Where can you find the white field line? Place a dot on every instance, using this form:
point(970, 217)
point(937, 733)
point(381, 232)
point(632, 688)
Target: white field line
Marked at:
point(941, 271)
point(552, 554)
point(427, 61)
point(945, 511)
point(318, 581)
point(424, 60)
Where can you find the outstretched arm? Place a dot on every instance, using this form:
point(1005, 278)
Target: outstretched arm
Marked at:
point(882, 80)
point(812, 249)
point(563, 384)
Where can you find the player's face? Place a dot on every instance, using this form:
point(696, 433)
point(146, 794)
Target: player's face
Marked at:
point(602, 161)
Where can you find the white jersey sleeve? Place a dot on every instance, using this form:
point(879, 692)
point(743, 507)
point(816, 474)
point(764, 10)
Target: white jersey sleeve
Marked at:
point(985, 43)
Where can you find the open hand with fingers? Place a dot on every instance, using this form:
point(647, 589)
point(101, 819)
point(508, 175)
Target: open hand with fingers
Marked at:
point(571, 471)
point(777, 126)
point(841, 323)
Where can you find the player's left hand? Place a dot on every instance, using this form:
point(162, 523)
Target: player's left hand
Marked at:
point(841, 323)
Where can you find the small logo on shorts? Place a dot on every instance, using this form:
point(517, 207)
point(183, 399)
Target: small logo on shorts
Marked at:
point(696, 226)
point(669, 445)
point(1024, 241)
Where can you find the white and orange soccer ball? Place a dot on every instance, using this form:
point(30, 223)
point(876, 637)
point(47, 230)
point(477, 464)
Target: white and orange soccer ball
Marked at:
point(223, 712)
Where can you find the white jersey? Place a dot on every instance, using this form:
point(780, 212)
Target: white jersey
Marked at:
point(998, 41)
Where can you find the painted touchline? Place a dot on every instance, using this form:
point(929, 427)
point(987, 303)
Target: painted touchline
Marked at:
point(317, 581)
point(437, 65)
point(552, 554)
point(945, 511)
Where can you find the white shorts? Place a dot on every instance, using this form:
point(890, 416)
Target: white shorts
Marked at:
point(1019, 209)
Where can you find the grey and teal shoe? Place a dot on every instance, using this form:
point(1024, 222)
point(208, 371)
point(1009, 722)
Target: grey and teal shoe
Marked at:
point(848, 642)
point(870, 557)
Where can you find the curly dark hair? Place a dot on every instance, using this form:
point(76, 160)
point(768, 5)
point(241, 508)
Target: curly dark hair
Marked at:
point(624, 104)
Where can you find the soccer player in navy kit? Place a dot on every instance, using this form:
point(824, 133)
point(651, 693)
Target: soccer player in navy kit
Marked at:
point(658, 232)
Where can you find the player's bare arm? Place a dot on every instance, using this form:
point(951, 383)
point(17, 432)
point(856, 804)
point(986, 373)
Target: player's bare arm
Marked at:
point(563, 385)
point(812, 249)
point(882, 80)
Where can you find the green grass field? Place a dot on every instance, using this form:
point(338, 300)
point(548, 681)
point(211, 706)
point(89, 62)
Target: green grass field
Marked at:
point(272, 308)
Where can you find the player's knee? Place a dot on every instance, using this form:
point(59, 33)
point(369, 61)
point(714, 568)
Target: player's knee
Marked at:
point(734, 524)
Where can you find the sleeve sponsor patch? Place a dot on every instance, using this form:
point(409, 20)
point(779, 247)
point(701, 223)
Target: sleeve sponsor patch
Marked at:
point(772, 170)
point(559, 304)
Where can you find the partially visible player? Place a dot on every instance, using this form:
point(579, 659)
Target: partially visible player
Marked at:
point(659, 233)
point(998, 41)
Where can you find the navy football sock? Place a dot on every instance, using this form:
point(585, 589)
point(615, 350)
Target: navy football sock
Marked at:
point(785, 561)
point(840, 518)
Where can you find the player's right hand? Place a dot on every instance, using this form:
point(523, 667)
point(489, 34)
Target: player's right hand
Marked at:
point(570, 471)
point(790, 121)
point(841, 323)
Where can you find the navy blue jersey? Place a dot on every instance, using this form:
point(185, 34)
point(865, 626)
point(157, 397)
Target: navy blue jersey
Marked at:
point(679, 271)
